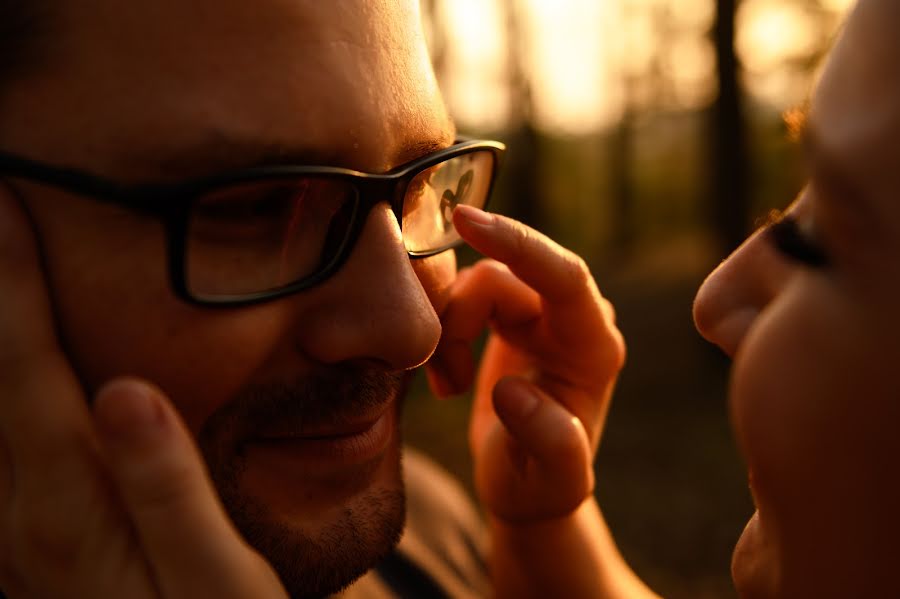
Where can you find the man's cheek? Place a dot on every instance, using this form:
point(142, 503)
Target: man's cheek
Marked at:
point(121, 318)
point(200, 358)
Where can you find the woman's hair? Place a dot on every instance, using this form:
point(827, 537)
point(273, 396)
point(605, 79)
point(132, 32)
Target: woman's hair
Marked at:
point(19, 30)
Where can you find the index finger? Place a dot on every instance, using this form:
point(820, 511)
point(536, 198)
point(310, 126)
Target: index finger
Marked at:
point(557, 274)
point(575, 336)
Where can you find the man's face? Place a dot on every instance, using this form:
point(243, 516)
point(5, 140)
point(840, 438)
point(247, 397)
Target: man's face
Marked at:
point(294, 402)
point(815, 399)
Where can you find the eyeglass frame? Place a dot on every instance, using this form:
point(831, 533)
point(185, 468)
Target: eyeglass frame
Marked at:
point(171, 203)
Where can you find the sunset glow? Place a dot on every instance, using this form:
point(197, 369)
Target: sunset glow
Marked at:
point(587, 60)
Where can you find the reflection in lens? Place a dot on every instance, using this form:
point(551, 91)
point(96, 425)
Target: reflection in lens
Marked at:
point(434, 193)
point(255, 237)
point(450, 199)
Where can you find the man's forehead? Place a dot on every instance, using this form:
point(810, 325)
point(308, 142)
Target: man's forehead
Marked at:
point(200, 85)
point(314, 17)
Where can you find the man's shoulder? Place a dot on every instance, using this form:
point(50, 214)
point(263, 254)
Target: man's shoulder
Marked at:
point(440, 514)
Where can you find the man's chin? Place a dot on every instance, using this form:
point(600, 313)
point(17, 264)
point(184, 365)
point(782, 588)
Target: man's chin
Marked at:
point(753, 564)
point(322, 559)
point(333, 533)
point(310, 473)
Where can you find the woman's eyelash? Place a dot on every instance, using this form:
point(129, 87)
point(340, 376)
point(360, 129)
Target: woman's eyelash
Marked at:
point(790, 240)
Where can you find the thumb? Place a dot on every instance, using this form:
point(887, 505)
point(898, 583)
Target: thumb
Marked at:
point(189, 542)
point(544, 470)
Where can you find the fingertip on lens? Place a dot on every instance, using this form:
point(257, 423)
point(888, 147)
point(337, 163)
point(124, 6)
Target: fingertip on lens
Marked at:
point(474, 216)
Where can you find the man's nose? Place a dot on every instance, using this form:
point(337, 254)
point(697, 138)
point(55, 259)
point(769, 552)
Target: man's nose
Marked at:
point(734, 294)
point(374, 308)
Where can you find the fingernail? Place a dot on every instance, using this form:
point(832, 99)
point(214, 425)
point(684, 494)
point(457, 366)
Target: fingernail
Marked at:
point(475, 215)
point(129, 411)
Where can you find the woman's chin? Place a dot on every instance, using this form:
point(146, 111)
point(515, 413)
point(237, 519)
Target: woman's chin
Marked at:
point(753, 564)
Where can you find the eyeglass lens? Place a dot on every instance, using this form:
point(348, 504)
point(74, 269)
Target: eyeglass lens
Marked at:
point(434, 193)
point(261, 236)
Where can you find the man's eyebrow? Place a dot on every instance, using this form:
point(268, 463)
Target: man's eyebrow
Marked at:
point(422, 147)
point(221, 154)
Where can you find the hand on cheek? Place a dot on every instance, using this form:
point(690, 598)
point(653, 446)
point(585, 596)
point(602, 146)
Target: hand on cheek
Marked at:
point(114, 503)
point(543, 386)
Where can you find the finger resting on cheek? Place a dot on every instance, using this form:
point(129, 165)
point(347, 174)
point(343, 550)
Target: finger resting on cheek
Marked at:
point(130, 417)
point(151, 458)
point(17, 248)
point(25, 318)
point(165, 488)
point(6, 473)
point(42, 408)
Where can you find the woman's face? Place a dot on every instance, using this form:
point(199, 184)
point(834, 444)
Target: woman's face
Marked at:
point(810, 313)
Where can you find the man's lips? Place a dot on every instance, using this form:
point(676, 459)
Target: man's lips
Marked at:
point(345, 443)
point(312, 432)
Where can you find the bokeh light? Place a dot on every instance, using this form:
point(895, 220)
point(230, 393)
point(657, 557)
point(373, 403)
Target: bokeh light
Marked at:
point(587, 62)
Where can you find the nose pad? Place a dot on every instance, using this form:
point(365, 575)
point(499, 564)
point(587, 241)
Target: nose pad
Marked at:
point(732, 296)
point(374, 308)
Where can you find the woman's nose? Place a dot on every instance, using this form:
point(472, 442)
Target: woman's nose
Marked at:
point(732, 296)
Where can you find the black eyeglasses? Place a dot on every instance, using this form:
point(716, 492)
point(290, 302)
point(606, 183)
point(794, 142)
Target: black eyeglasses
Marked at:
point(258, 234)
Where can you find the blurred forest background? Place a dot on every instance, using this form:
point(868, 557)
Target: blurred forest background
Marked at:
point(646, 135)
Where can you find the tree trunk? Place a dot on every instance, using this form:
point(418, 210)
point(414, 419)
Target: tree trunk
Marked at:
point(730, 201)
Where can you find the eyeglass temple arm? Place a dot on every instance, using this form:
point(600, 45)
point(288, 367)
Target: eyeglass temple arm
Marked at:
point(80, 182)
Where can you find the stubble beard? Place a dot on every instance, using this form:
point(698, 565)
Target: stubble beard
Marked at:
point(323, 561)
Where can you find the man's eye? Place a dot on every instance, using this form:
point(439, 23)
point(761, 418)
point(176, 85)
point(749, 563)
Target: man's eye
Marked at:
point(790, 240)
point(275, 203)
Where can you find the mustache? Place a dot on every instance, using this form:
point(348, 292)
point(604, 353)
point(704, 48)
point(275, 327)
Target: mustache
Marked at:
point(327, 397)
